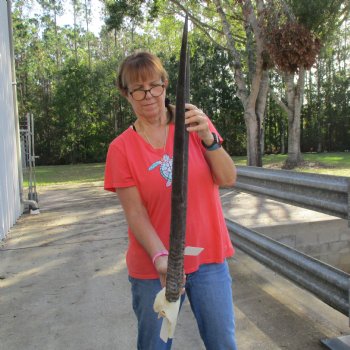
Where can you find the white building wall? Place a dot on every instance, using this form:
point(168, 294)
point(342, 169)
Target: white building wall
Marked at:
point(10, 205)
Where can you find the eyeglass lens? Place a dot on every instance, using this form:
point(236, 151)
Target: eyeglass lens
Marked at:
point(155, 91)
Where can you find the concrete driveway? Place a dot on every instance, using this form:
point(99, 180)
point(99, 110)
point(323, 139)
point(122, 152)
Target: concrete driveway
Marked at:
point(63, 283)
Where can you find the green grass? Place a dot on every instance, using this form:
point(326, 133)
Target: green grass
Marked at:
point(321, 163)
point(267, 160)
point(60, 174)
point(337, 164)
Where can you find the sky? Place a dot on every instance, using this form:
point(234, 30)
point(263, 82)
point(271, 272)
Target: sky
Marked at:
point(96, 21)
point(67, 17)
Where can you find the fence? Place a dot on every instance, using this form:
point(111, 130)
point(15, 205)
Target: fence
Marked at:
point(328, 283)
point(28, 155)
point(323, 193)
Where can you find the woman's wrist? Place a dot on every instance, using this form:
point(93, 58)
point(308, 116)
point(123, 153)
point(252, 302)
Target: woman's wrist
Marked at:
point(214, 144)
point(208, 140)
point(159, 254)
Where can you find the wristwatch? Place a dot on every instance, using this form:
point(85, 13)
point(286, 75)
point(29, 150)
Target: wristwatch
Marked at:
point(214, 145)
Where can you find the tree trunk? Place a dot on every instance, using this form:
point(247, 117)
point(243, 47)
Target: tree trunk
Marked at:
point(58, 55)
point(283, 145)
point(87, 20)
point(295, 101)
point(318, 108)
point(252, 138)
point(260, 112)
point(262, 143)
point(253, 101)
point(75, 14)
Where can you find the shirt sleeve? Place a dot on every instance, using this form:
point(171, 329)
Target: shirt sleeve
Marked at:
point(117, 170)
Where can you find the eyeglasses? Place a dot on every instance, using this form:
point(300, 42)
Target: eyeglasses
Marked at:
point(155, 91)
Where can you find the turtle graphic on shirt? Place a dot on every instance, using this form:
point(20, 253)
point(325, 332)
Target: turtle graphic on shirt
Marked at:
point(166, 168)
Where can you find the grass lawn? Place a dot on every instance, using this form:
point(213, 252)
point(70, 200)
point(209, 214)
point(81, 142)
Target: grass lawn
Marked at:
point(60, 174)
point(321, 163)
point(337, 164)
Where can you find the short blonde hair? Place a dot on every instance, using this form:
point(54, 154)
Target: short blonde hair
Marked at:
point(138, 67)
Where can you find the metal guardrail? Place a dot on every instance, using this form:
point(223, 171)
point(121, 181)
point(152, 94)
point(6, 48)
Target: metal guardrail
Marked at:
point(328, 283)
point(324, 193)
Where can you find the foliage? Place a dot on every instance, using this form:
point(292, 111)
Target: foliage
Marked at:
point(323, 18)
point(213, 89)
point(326, 113)
point(290, 44)
point(119, 9)
point(66, 77)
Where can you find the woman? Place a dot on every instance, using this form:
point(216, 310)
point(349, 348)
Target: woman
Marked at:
point(138, 169)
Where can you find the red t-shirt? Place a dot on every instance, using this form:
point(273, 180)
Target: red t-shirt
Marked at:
point(131, 161)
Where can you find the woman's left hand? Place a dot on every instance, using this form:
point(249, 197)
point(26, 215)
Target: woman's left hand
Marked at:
point(197, 121)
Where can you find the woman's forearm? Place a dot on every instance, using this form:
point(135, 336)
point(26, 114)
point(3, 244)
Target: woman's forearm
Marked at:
point(222, 167)
point(138, 220)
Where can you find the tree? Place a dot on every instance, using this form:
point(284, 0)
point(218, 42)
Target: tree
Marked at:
point(294, 32)
point(248, 66)
point(327, 97)
point(66, 76)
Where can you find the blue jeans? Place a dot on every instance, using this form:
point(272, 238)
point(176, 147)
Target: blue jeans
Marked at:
point(209, 291)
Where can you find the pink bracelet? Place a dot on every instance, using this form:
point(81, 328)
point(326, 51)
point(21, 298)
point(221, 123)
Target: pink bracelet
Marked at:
point(162, 253)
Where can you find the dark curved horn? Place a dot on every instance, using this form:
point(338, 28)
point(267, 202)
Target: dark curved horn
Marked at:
point(175, 273)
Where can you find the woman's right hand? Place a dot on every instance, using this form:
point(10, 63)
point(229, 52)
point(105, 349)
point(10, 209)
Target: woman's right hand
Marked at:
point(161, 265)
